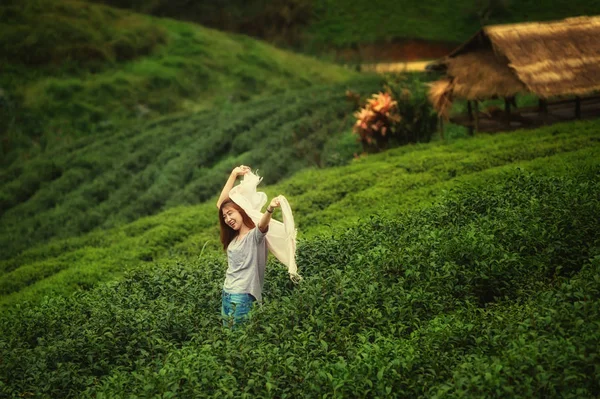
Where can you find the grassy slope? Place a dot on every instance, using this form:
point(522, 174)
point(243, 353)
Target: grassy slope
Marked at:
point(344, 22)
point(494, 292)
point(114, 68)
point(103, 182)
point(150, 96)
point(323, 200)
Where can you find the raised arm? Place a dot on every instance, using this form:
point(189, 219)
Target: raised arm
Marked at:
point(263, 224)
point(237, 171)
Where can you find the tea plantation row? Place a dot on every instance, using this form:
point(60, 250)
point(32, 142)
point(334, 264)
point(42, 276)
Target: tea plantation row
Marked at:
point(106, 181)
point(494, 291)
point(323, 200)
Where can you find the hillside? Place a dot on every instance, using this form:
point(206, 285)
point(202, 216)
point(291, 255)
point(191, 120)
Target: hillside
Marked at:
point(322, 26)
point(105, 181)
point(72, 68)
point(467, 267)
point(324, 201)
point(491, 291)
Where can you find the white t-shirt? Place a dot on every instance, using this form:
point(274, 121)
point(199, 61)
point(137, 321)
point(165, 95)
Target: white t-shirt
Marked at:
point(246, 259)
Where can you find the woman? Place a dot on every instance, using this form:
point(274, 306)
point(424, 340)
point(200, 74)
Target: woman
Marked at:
point(247, 251)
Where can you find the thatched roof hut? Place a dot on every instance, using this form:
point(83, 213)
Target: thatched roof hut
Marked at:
point(556, 58)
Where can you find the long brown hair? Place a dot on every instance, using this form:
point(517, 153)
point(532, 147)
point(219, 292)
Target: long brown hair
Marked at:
point(227, 233)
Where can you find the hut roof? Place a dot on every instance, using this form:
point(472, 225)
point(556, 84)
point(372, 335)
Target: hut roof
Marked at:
point(553, 58)
point(482, 74)
point(546, 58)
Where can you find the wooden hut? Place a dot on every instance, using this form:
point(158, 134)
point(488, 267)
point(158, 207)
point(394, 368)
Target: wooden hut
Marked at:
point(548, 59)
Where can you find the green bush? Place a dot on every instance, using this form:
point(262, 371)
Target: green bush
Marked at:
point(340, 150)
point(415, 175)
point(418, 123)
point(398, 115)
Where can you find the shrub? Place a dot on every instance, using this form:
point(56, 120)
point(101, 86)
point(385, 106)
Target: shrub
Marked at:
point(376, 122)
point(418, 119)
point(400, 115)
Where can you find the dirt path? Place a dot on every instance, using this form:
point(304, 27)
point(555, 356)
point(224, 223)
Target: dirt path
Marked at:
point(397, 67)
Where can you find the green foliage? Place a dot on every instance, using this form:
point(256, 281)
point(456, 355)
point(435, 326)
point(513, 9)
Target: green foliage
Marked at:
point(122, 176)
point(415, 175)
point(342, 23)
point(472, 271)
point(492, 291)
point(418, 119)
point(279, 21)
point(41, 32)
point(405, 178)
point(316, 26)
point(397, 115)
point(340, 149)
point(104, 330)
point(145, 69)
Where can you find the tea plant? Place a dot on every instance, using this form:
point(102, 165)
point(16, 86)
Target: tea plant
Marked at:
point(325, 200)
point(489, 292)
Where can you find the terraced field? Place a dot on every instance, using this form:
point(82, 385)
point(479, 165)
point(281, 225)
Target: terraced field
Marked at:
point(324, 200)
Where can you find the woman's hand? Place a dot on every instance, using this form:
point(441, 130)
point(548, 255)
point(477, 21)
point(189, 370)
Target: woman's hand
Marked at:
point(240, 170)
point(263, 224)
point(274, 204)
point(237, 171)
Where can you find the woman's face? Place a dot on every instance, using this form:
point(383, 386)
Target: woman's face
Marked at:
point(232, 217)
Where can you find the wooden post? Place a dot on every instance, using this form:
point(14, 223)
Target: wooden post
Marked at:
point(476, 103)
point(543, 109)
point(577, 107)
point(470, 112)
point(507, 111)
point(543, 106)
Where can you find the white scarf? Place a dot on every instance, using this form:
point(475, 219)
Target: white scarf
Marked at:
point(281, 237)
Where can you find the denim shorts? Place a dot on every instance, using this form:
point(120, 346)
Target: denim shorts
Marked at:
point(235, 307)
